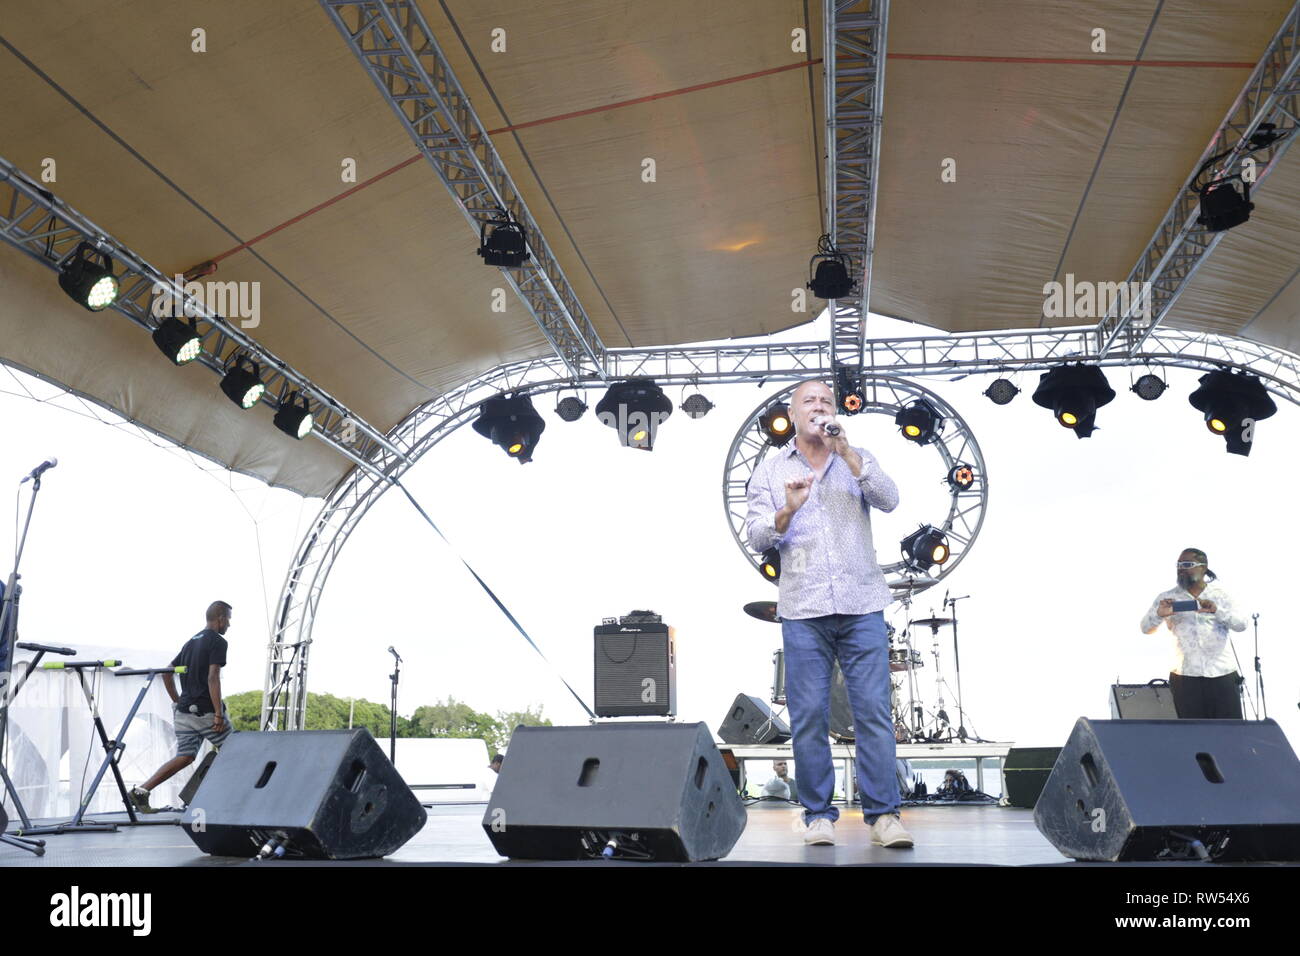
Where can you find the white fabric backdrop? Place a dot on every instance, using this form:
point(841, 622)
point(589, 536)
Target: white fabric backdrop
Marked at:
point(53, 752)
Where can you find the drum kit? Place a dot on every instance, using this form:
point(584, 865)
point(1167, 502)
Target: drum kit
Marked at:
point(914, 721)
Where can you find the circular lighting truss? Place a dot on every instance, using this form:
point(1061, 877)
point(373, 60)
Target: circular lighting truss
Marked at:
point(954, 444)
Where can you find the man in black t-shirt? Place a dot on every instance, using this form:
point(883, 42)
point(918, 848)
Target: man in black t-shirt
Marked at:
point(200, 713)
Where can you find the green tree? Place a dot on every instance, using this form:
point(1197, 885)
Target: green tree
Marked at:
point(509, 720)
point(245, 710)
point(324, 712)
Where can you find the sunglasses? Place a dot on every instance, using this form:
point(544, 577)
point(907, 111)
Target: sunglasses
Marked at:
point(1187, 565)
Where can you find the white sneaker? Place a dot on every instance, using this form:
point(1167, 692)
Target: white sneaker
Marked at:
point(821, 832)
point(888, 831)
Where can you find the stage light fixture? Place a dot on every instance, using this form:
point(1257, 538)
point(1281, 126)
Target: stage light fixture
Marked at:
point(1232, 403)
point(1149, 387)
point(961, 477)
point(1074, 393)
point(777, 426)
point(87, 277)
point(924, 548)
point(294, 416)
point(635, 409)
point(919, 422)
point(770, 565)
point(1222, 207)
point(848, 386)
point(571, 409)
point(1001, 391)
point(242, 382)
point(512, 423)
point(829, 276)
point(502, 242)
point(179, 341)
point(697, 406)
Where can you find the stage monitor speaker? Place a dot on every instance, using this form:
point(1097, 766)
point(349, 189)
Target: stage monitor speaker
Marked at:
point(196, 778)
point(636, 670)
point(659, 791)
point(326, 794)
point(750, 721)
point(1126, 790)
point(841, 712)
point(1151, 701)
point(1025, 771)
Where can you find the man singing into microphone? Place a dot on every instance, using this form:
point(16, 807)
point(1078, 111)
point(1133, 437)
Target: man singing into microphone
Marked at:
point(812, 500)
point(1204, 679)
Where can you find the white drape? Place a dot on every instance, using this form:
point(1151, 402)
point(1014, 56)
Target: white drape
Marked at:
point(53, 751)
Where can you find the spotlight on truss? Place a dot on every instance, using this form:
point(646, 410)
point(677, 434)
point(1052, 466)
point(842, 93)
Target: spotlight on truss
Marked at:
point(1001, 391)
point(1149, 387)
point(502, 242)
point(1074, 393)
point(511, 423)
point(829, 276)
point(1232, 403)
point(571, 409)
point(697, 406)
point(86, 275)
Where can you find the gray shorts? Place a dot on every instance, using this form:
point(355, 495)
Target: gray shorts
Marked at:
point(193, 729)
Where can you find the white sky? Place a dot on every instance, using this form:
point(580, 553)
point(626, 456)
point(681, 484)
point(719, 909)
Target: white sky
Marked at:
point(131, 541)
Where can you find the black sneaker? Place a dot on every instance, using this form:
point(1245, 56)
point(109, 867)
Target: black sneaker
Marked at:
point(140, 799)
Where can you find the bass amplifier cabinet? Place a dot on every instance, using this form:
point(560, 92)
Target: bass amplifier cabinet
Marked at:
point(750, 721)
point(636, 667)
point(639, 791)
point(1150, 701)
point(1125, 790)
point(323, 794)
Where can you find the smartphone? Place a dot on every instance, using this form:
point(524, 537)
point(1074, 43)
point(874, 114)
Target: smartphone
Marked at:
point(1186, 605)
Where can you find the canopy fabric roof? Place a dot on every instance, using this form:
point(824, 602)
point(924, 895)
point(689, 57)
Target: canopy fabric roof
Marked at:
point(372, 289)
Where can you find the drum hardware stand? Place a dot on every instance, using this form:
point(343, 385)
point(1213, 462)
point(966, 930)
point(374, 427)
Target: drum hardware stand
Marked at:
point(915, 732)
point(956, 653)
point(113, 749)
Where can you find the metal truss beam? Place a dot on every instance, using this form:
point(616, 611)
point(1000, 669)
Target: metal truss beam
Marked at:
point(395, 45)
point(1180, 245)
point(853, 47)
point(986, 353)
point(36, 222)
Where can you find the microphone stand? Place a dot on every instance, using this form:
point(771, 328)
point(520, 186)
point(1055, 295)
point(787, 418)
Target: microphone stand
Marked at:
point(1259, 671)
point(8, 635)
point(392, 714)
point(956, 656)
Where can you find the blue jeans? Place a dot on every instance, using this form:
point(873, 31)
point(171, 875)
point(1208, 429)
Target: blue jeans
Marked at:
point(861, 644)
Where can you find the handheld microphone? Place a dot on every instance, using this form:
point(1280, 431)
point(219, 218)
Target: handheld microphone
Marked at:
point(40, 469)
point(830, 428)
point(394, 653)
point(945, 600)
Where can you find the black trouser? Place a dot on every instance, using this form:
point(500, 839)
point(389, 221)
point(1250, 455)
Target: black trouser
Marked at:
point(1206, 697)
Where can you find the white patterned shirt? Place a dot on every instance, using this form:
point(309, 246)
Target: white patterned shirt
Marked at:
point(1200, 640)
point(828, 561)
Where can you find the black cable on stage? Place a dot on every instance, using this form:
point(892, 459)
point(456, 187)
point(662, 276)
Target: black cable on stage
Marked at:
point(496, 600)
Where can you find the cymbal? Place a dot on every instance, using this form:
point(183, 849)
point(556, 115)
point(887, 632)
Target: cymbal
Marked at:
point(934, 622)
point(917, 581)
point(763, 610)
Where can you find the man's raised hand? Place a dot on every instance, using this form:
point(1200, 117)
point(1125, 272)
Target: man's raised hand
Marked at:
point(797, 491)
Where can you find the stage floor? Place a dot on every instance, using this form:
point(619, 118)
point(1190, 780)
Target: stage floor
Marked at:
point(967, 835)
